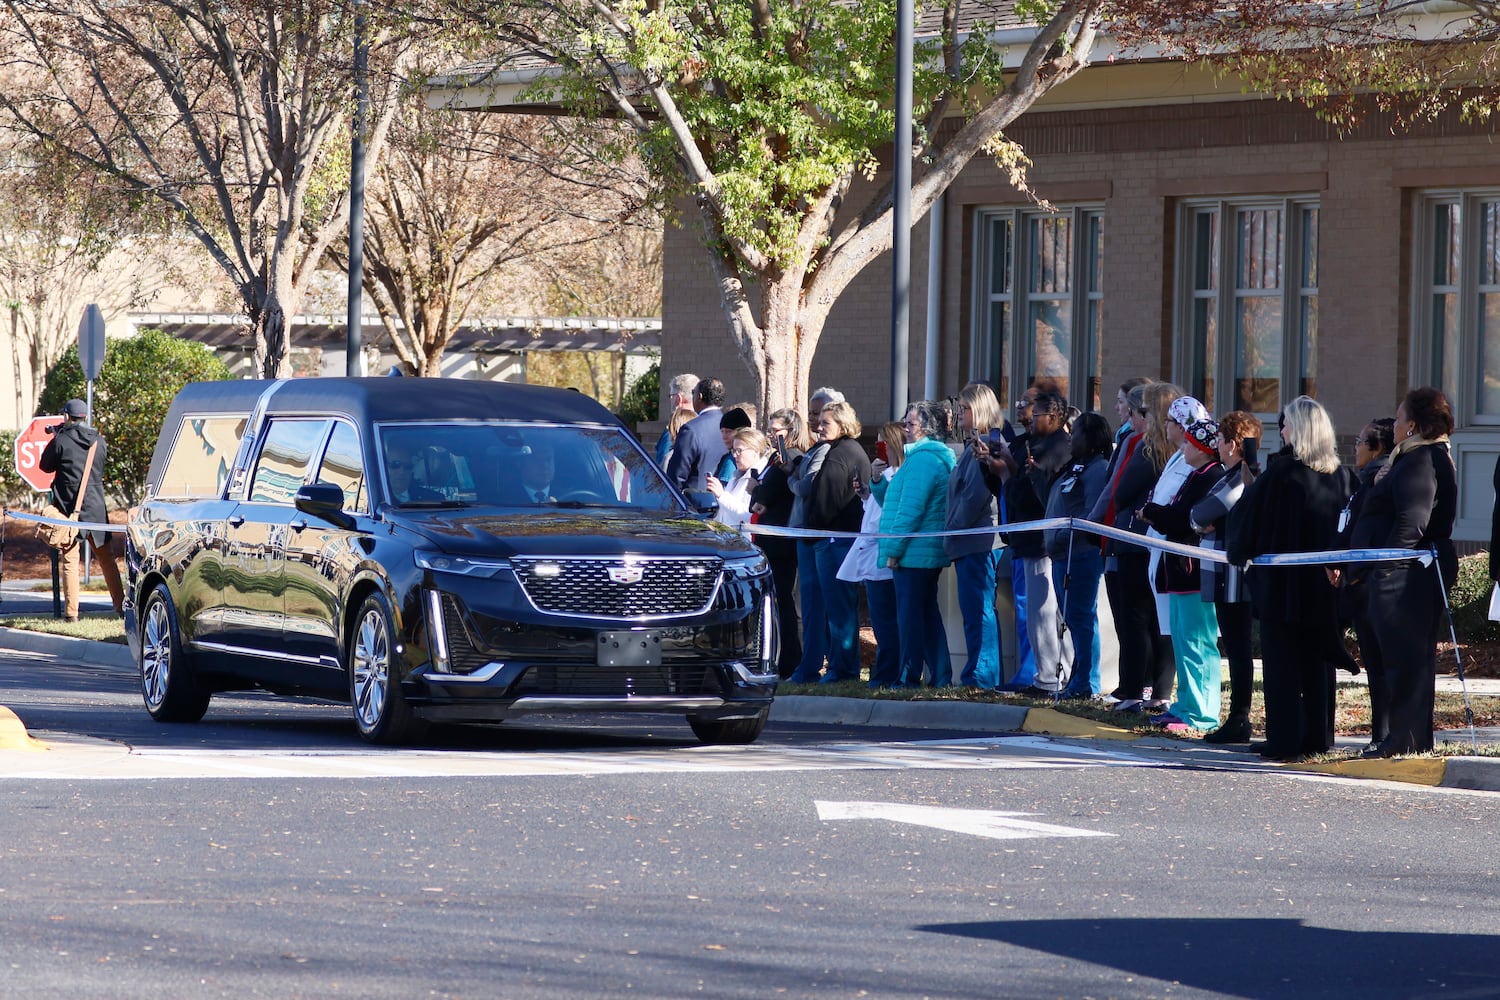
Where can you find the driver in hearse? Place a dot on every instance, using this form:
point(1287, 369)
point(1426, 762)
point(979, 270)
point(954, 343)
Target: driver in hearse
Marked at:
point(398, 470)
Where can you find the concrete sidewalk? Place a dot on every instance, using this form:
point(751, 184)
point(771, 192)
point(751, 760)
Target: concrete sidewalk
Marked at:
point(1479, 773)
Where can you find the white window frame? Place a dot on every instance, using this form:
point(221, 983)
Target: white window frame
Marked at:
point(1190, 369)
point(1003, 358)
point(1461, 375)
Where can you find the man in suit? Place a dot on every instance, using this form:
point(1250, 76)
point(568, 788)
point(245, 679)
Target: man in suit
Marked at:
point(681, 390)
point(699, 445)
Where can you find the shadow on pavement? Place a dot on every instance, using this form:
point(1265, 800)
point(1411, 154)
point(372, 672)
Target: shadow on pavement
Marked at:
point(1260, 958)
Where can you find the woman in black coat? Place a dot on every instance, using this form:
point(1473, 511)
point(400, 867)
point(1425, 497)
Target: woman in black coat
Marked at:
point(771, 501)
point(1294, 507)
point(1411, 506)
point(836, 504)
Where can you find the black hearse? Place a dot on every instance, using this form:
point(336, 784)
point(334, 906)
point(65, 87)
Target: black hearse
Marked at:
point(436, 550)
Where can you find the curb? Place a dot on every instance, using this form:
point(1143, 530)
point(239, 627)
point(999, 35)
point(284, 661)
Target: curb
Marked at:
point(1470, 773)
point(109, 654)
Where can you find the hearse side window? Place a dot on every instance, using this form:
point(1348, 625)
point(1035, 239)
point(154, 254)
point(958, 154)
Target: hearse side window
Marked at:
point(201, 455)
point(343, 466)
point(284, 460)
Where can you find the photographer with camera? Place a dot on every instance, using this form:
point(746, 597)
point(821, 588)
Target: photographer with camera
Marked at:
point(75, 451)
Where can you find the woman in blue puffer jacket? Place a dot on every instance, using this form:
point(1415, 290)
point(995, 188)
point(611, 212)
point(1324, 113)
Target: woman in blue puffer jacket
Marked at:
point(916, 499)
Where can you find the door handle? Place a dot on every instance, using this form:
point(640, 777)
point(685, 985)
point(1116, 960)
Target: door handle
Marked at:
point(236, 520)
point(297, 525)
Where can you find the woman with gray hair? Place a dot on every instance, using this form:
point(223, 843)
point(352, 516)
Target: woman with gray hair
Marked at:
point(916, 500)
point(1294, 507)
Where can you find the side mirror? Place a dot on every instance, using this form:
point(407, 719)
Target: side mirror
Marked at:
point(324, 501)
point(702, 502)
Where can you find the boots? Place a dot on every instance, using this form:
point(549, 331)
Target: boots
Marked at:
point(1236, 729)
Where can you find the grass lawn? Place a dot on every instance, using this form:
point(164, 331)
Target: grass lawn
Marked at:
point(101, 626)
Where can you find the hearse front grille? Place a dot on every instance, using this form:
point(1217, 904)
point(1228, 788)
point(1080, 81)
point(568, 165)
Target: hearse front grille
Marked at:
point(622, 588)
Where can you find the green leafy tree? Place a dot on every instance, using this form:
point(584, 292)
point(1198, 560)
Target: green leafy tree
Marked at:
point(764, 114)
point(135, 387)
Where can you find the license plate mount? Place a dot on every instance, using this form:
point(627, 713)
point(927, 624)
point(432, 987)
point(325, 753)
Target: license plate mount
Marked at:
point(629, 649)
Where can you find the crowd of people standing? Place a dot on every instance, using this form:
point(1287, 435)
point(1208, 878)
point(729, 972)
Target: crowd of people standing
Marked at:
point(945, 483)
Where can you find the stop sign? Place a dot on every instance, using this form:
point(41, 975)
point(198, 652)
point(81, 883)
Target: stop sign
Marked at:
point(30, 444)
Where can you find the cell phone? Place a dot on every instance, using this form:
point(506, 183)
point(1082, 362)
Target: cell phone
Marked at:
point(1250, 448)
point(882, 453)
point(781, 448)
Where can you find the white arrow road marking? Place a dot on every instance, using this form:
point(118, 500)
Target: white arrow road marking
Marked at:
point(976, 822)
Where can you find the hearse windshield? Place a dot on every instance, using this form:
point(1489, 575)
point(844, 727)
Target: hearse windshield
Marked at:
point(518, 464)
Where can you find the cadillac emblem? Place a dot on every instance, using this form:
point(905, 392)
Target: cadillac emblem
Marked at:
point(625, 575)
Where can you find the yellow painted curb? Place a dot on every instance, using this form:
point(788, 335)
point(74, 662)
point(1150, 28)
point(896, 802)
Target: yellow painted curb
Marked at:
point(1415, 771)
point(1054, 723)
point(13, 735)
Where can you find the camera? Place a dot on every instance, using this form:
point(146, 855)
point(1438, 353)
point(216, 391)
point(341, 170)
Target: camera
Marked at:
point(54, 428)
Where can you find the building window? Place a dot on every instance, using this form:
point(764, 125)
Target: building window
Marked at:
point(1248, 303)
point(1039, 290)
point(1457, 323)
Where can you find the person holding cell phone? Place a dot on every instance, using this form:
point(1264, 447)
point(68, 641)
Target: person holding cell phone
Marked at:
point(750, 451)
point(1224, 584)
point(976, 557)
point(771, 501)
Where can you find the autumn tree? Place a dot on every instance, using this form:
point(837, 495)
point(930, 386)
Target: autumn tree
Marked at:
point(1410, 59)
point(65, 240)
point(461, 203)
point(233, 114)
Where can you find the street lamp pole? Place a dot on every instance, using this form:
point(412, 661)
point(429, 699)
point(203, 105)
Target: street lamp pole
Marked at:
point(901, 213)
point(354, 360)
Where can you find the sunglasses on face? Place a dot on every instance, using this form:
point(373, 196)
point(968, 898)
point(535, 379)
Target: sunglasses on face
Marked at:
point(398, 465)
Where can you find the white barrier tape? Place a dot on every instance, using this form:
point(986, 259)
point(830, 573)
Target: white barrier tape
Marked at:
point(1330, 557)
point(64, 522)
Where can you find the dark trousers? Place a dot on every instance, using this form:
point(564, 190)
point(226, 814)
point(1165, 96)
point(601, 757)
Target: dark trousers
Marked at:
point(1380, 694)
point(1145, 654)
point(1299, 688)
point(1234, 629)
point(781, 553)
point(1404, 611)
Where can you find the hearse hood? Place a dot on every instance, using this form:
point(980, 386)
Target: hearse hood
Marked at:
point(590, 531)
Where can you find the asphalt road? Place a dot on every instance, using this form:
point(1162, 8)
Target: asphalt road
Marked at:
point(617, 857)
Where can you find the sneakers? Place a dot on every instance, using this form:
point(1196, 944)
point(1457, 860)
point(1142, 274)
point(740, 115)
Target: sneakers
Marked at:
point(1126, 705)
point(1041, 694)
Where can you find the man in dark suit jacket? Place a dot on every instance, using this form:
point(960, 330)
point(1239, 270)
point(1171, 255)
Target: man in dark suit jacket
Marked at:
point(699, 445)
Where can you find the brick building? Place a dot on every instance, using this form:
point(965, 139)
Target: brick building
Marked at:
point(1239, 247)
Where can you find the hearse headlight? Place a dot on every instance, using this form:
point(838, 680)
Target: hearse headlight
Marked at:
point(441, 562)
point(746, 567)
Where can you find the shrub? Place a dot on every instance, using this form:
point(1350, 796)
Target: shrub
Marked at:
point(642, 400)
point(14, 491)
point(1470, 601)
point(135, 387)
